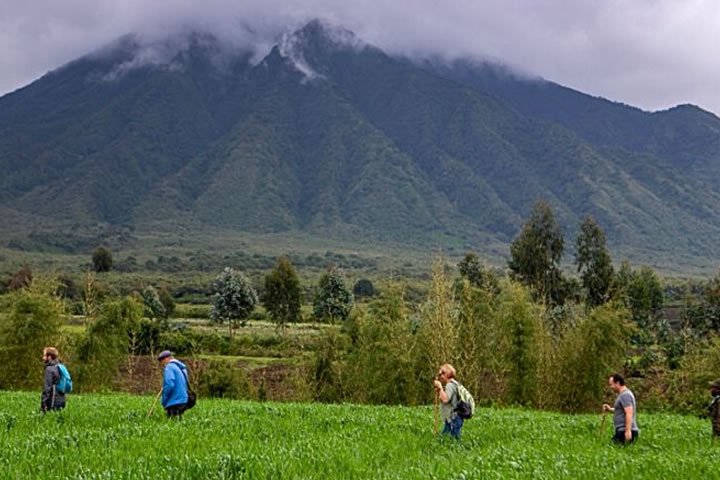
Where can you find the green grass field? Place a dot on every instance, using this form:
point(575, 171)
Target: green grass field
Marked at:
point(109, 436)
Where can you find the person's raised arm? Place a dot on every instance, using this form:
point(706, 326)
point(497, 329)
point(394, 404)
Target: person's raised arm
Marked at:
point(441, 392)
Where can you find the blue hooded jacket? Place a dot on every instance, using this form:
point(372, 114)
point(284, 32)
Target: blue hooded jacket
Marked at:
point(175, 390)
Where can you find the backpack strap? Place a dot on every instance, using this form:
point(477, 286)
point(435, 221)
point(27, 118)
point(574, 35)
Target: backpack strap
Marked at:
point(187, 382)
point(457, 388)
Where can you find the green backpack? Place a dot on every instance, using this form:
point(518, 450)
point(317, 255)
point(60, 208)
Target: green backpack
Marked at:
point(466, 406)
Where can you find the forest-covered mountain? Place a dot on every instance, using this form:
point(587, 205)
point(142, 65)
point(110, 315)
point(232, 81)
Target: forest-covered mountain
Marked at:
point(332, 136)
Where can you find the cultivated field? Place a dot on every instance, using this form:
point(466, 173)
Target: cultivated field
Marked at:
point(109, 436)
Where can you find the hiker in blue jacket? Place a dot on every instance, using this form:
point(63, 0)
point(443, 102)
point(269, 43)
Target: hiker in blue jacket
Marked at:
point(52, 399)
point(175, 386)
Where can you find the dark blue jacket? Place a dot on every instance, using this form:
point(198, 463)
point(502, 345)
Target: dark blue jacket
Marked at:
point(175, 389)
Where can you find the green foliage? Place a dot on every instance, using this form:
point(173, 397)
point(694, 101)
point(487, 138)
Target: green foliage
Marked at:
point(167, 300)
point(333, 300)
point(480, 340)
point(438, 328)
point(645, 300)
point(234, 299)
point(593, 261)
point(589, 354)
point(523, 327)
point(381, 366)
point(536, 253)
point(476, 273)
point(687, 389)
point(67, 288)
point(282, 294)
point(33, 323)
point(106, 343)
point(222, 379)
point(364, 288)
point(154, 307)
point(710, 306)
point(326, 376)
point(21, 279)
point(102, 260)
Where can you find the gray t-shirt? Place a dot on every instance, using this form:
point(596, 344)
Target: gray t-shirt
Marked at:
point(447, 410)
point(625, 399)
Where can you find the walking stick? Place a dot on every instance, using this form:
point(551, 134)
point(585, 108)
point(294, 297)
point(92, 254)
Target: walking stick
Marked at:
point(435, 413)
point(152, 407)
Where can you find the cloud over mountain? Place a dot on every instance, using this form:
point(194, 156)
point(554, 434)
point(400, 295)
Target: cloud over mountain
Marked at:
point(649, 53)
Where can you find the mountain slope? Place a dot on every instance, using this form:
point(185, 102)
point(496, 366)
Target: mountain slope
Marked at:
point(334, 137)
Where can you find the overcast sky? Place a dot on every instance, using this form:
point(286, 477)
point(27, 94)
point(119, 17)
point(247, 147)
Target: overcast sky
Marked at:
point(650, 53)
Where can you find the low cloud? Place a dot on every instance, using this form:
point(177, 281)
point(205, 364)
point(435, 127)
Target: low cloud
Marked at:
point(649, 53)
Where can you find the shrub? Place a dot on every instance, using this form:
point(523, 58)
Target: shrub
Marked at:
point(102, 260)
point(221, 379)
point(33, 323)
point(106, 343)
point(589, 354)
point(363, 288)
point(21, 279)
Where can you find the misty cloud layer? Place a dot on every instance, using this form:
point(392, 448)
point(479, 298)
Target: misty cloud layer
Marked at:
point(649, 53)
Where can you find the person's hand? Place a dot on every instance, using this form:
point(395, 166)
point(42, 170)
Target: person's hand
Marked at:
point(606, 407)
point(628, 435)
point(438, 385)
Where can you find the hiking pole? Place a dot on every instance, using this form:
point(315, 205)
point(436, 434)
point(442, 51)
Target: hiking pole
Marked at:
point(435, 413)
point(152, 407)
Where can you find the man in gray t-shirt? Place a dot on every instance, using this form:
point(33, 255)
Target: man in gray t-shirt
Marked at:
point(625, 410)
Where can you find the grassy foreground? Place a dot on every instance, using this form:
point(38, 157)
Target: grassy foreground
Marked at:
point(109, 437)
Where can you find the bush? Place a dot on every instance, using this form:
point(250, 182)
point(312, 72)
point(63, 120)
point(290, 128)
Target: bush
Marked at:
point(221, 379)
point(326, 370)
point(33, 324)
point(589, 354)
point(21, 279)
point(381, 366)
point(102, 260)
point(106, 343)
point(363, 288)
point(688, 389)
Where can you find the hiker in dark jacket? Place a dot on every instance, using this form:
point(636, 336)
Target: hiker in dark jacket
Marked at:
point(175, 387)
point(714, 409)
point(51, 398)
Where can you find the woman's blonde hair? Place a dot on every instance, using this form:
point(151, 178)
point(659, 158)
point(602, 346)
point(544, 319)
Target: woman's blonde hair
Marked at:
point(448, 370)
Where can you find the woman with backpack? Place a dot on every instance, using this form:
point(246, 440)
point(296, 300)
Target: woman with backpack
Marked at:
point(449, 399)
point(52, 397)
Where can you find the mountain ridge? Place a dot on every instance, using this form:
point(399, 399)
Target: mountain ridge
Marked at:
point(330, 135)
